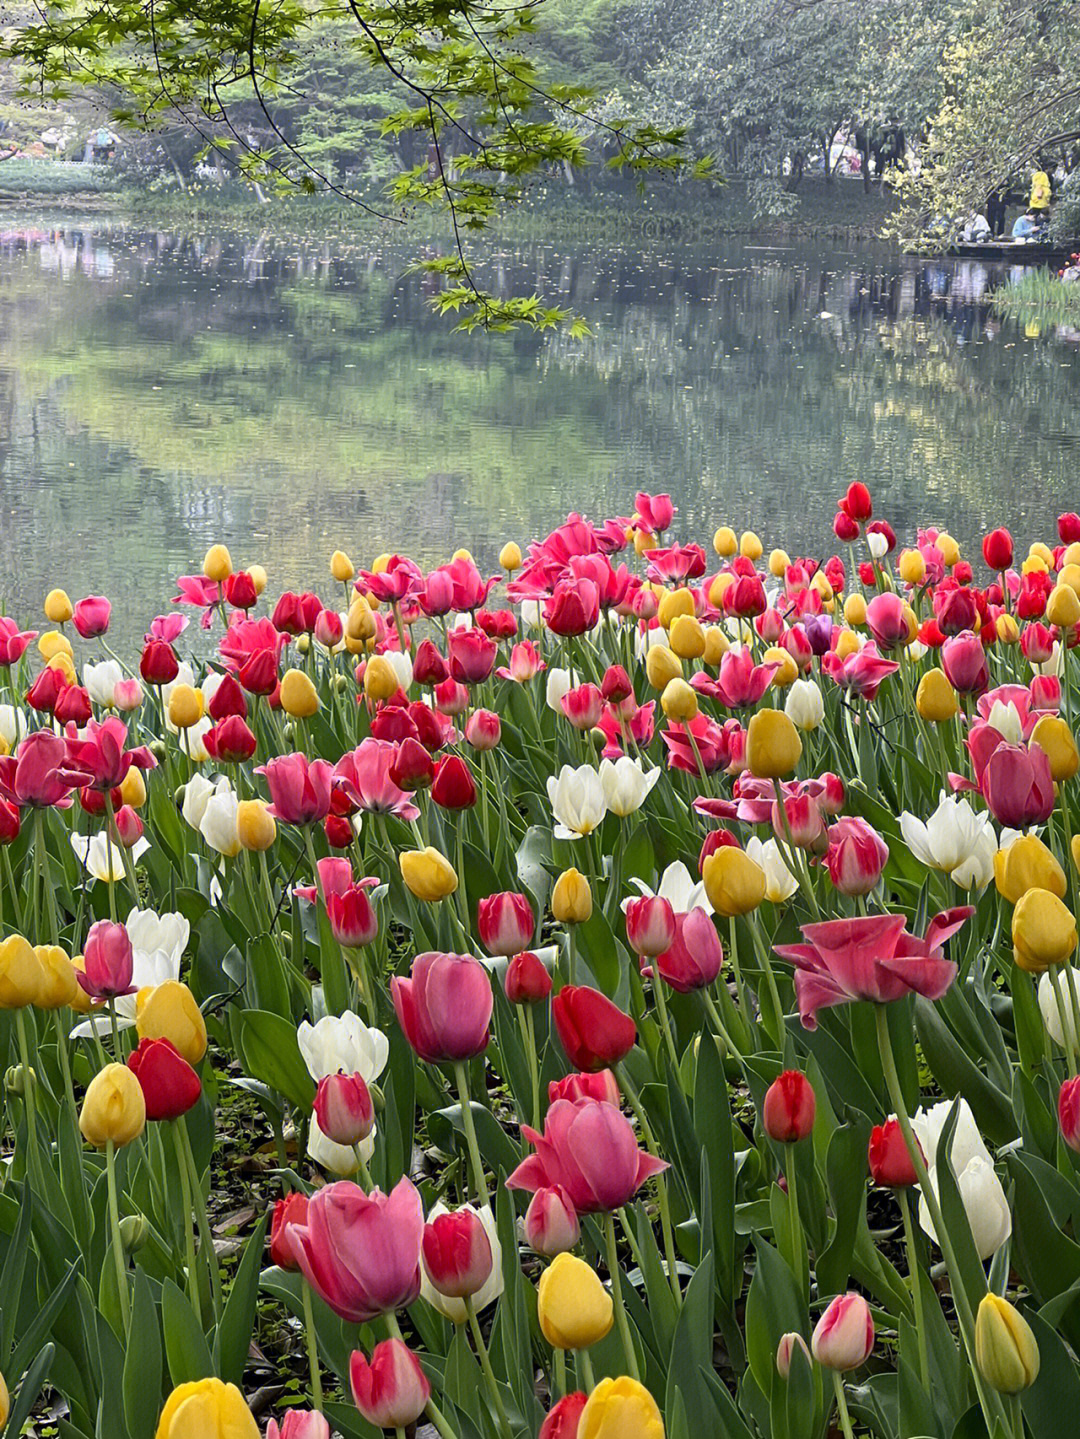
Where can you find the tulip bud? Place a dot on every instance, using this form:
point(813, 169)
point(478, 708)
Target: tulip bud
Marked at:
point(392, 1391)
point(1043, 931)
point(935, 698)
point(380, 679)
point(786, 1349)
point(344, 1108)
point(650, 925)
point(551, 1222)
point(457, 1254)
point(19, 1081)
point(887, 1155)
point(574, 1308)
point(256, 827)
point(129, 827)
point(674, 603)
point(564, 1420)
point(1027, 864)
point(1054, 737)
point(505, 923)
point(679, 702)
point(428, 874)
point(510, 557)
point(773, 746)
point(168, 1011)
point(58, 607)
point(527, 981)
point(1005, 1347)
point(133, 788)
point(844, 1335)
point(113, 1109)
point(571, 899)
point(134, 1232)
point(724, 542)
point(686, 637)
point(733, 882)
point(185, 706)
point(483, 730)
point(217, 564)
point(341, 567)
point(716, 646)
point(661, 666)
point(58, 984)
point(788, 1112)
point(299, 698)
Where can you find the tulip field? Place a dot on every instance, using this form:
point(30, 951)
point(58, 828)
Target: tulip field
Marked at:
point(627, 994)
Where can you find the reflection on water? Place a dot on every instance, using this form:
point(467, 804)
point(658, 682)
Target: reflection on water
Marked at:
point(159, 391)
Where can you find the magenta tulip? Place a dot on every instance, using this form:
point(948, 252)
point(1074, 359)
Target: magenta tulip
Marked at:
point(856, 855)
point(505, 923)
point(457, 1254)
point(589, 1150)
point(344, 1108)
point(444, 1008)
point(1018, 786)
point(299, 788)
point(91, 616)
point(693, 959)
point(101, 753)
point(392, 1391)
point(40, 773)
point(108, 961)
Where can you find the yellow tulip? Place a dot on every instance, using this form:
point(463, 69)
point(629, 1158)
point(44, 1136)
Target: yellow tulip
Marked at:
point(62, 662)
point(1056, 740)
point(299, 697)
point(912, 567)
point(58, 607)
point(855, 609)
point(661, 666)
point(168, 1011)
point(574, 1308)
point(380, 678)
point(716, 646)
point(1034, 564)
point(59, 986)
point(620, 1409)
point(206, 1409)
point(256, 827)
point(687, 637)
point(719, 588)
point(847, 643)
point(113, 1109)
point(1070, 575)
point(341, 567)
point(787, 671)
point(950, 550)
point(428, 874)
point(724, 542)
point(359, 622)
point(1074, 850)
point(1008, 631)
point(750, 547)
point(672, 604)
point(644, 540)
point(1071, 555)
point(258, 577)
point(773, 746)
point(53, 643)
point(1027, 864)
point(81, 1002)
point(1038, 550)
point(1063, 606)
point(733, 882)
point(1043, 931)
point(510, 557)
point(820, 583)
point(186, 706)
point(679, 701)
point(571, 899)
point(779, 563)
point(217, 564)
point(935, 699)
point(21, 977)
point(1005, 1347)
point(462, 554)
point(133, 788)
point(5, 1402)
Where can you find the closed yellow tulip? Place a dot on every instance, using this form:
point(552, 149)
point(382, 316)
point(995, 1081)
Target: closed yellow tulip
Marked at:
point(1034, 564)
point(256, 827)
point(620, 1409)
point(168, 1011)
point(186, 706)
point(687, 637)
point(779, 563)
point(380, 679)
point(1027, 864)
point(59, 986)
point(428, 874)
point(847, 643)
point(1063, 606)
point(661, 666)
point(63, 663)
point(359, 622)
point(716, 646)
point(644, 540)
point(1038, 550)
point(1071, 555)
point(206, 1409)
point(1070, 575)
point(750, 547)
point(1043, 931)
point(58, 607)
point(571, 899)
point(133, 788)
point(1005, 1348)
point(217, 564)
point(724, 542)
point(21, 977)
point(935, 699)
point(718, 588)
point(950, 550)
point(341, 567)
point(1057, 741)
point(113, 1108)
point(574, 1308)
point(855, 609)
point(510, 557)
point(912, 567)
point(53, 643)
point(258, 577)
point(1008, 631)
point(679, 701)
point(787, 671)
point(672, 604)
point(733, 882)
point(773, 746)
point(81, 1002)
point(819, 582)
point(5, 1402)
point(299, 697)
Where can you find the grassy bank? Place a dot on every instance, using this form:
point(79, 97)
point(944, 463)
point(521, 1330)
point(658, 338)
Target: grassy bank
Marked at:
point(1041, 297)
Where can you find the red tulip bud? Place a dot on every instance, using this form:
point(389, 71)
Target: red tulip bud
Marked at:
point(888, 1157)
point(344, 1109)
point(788, 1111)
point(527, 980)
point(457, 1254)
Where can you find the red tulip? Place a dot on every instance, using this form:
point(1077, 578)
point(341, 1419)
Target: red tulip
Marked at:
point(344, 1108)
point(714, 840)
point(857, 504)
point(595, 1033)
point(1018, 786)
point(299, 788)
point(412, 767)
point(574, 607)
point(693, 959)
point(338, 831)
point(856, 855)
point(158, 664)
point(453, 786)
point(444, 1007)
point(650, 925)
point(169, 1084)
point(290, 1210)
point(527, 981)
point(805, 822)
point(616, 685)
point(505, 923)
point(551, 1222)
point(788, 1111)
point(429, 667)
point(746, 597)
point(392, 1391)
point(955, 608)
point(296, 614)
point(72, 706)
point(845, 528)
point(10, 823)
point(1069, 528)
point(457, 1254)
point(472, 655)
point(46, 690)
point(451, 698)
point(499, 624)
point(91, 616)
point(583, 706)
point(239, 590)
point(963, 658)
point(1069, 1113)
point(888, 1157)
point(998, 549)
point(562, 1421)
point(231, 741)
point(108, 961)
point(590, 1150)
point(601, 1085)
point(1037, 643)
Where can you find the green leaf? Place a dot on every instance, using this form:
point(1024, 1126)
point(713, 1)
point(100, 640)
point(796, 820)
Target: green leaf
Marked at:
point(142, 1363)
point(185, 1344)
point(269, 1051)
point(233, 1338)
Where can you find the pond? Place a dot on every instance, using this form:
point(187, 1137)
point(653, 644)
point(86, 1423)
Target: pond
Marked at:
point(288, 395)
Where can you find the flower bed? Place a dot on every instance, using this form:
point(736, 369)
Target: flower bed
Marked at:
point(654, 968)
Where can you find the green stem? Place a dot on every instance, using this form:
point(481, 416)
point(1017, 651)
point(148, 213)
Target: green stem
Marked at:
point(841, 1406)
point(798, 1243)
point(621, 1321)
point(528, 1036)
point(206, 1238)
point(485, 1365)
point(188, 1222)
point(461, 1075)
point(560, 1374)
point(718, 1025)
point(665, 1022)
point(117, 1241)
point(584, 1363)
point(312, 1347)
point(1065, 1017)
point(916, 1286)
point(647, 1135)
point(29, 1094)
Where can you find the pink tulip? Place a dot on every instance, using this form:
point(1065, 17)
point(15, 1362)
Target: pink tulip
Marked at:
point(108, 961)
point(299, 788)
point(650, 925)
point(505, 923)
point(551, 1222)
point(590, 1150)
point(361, 1252)
point(344, 1108)
point(329, 629)
point(348, 908)
point(401, 578)
point(457, 1254)
point(583, 706)
point(963, 658)
point(127, 694)
point(886, 620)
point(740, 682)
point(392, 1391)
point(1018, 786)
point(695, 955)
point(363, 776)
point(472, 655)
point(676, 564)
point(299, 1424)
point(856, 855)
point(483, 730)
point(129, 826)
point(871, 958)
point(102, 755)
point(525, 663)
point(844, 1335)
point(40, 773)
point(444, 1007)
point(861, 673)
point(655, 512)
point(91, 616)
point(805, 821)
point(601, 1084)
point(13, 642)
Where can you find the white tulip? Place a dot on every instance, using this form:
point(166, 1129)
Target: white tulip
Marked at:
point(194, 741)
point(197, 794)
point(454, 1309)
point(102, 859)
point(984, 1203)
point(152, 933)
point(218, 824)
point(1005, 718)
point(954, 839)
point(916, 650)
point(100, 681)
point(678, 887)
point(1069, 981)
point(343, 1043)
point(401, 664)
point(210, 685)
point(339, 1159)
point(967, 1142)
point(804, 706)
point(12, 725)
point(1055, 665)
point(531, 615)
point(577, 801)
point(559, 682)
point(877, 544)
point(625, 784)
point(780, 883)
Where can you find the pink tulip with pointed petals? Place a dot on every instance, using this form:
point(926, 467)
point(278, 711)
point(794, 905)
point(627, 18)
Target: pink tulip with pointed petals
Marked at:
point(590, 1150)
point(299, 788)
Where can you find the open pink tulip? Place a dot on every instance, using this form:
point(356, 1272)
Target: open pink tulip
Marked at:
point(363, 777)
point(589, 1149)
point(101, 753)
point(13, 641)
point(361, 1252)
point(444, 1007)
point(871, 958)
point(299, 788)
point(40, 773)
